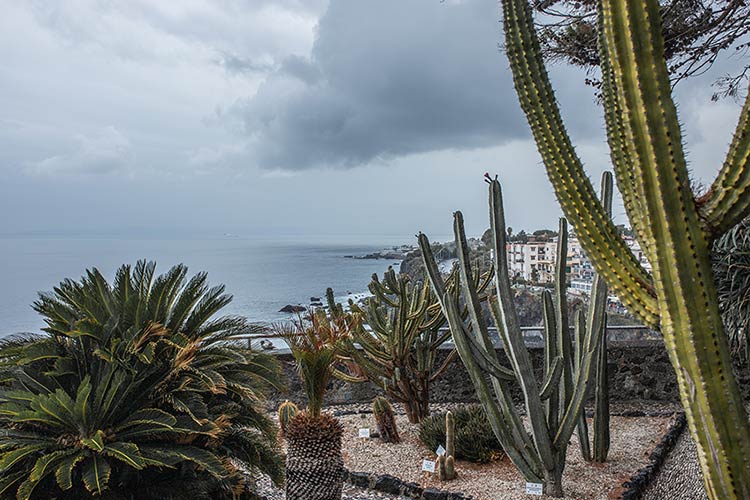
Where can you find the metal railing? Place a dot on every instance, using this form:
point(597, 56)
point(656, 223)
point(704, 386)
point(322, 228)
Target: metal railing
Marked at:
point(528, 332)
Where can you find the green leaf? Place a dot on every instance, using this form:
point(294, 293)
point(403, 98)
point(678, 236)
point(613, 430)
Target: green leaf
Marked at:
point(64, 472)
point(11, 458)
point(148, 416)
point(96, 472)
point(127, 453)
point(47, 462)
point(95, 442)
point(81, 409)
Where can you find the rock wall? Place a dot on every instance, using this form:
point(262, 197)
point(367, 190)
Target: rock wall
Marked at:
point(638, 370)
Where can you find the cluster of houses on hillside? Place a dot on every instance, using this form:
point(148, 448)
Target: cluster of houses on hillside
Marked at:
point(533, 260)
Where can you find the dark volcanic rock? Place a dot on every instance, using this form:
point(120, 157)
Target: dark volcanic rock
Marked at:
point(388, 484)
point(291, 309)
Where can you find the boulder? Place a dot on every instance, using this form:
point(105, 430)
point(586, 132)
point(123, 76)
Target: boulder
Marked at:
point(289, 308)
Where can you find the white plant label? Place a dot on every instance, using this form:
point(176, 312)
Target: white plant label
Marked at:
point(440, 451)
point(428, 466)
point(534, 489)
point(364, 433)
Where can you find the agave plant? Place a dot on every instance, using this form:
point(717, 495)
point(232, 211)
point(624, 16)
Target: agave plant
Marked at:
point(314, 465)
point(135, 391)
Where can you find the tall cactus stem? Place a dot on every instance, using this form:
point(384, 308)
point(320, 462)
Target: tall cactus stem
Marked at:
point(554, 407)
point(675, 229)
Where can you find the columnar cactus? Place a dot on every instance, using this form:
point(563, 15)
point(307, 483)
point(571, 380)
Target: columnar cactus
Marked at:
point(554, 405)
point(597, 319)
point(385, 420)
point(674, 226)
point(287, 411)
point(446, 462)
point(398, 351)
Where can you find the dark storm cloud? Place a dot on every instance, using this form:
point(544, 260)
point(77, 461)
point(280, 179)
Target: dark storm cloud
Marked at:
point(387, 79)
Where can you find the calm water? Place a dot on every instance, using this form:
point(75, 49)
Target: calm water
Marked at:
point(262, 276)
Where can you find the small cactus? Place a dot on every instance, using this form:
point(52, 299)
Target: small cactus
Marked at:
point(385, 421)
point(287, 411)
point(446, 462)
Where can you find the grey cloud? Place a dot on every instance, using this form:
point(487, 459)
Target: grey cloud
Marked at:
point(235, 65)
point(384, 80)
point(102, 152)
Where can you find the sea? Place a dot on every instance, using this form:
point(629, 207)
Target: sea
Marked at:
point(262, 275)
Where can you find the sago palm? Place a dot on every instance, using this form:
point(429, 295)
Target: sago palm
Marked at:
point(135, 390)
point(314, 465)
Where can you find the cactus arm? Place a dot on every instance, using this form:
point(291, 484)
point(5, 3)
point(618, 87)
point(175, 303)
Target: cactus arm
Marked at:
point(632, 196)
point(601, 403)
point(691, 323)
point(505, 422)
point(550, 354)
point(728, 200)
point(473, 303)
point(549, 386)
point(506, 319)
point(565, 345)
point(347, 378)
point(597, 319)
point(573, 411)
point(441, 370)
point(450, 432)
point(599, 236)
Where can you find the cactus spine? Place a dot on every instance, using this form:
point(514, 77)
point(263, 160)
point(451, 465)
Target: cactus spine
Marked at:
point(287, 411)
point(446, 462)
point(673, 225)
point(554, 405)
point(385, 420)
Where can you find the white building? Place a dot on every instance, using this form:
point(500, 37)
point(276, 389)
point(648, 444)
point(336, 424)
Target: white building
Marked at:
point(532, 261)
point(535, 261)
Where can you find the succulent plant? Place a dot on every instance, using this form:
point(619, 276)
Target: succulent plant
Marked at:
point(554, 405)
point(675, 226)
point(385, 420)
point(473, 441)
point(314, 465)
point(287, 411)
point(446, 462)
point(399, 350)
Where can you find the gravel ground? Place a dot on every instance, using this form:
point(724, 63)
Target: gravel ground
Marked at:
point(680, 476)
point(633, 438)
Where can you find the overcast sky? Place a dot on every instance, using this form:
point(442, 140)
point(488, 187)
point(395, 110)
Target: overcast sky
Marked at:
point(342, 119)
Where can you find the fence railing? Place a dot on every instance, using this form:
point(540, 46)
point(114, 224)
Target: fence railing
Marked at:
point(532, 335)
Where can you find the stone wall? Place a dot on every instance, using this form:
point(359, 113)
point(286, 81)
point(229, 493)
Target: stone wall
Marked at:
point(638, 370)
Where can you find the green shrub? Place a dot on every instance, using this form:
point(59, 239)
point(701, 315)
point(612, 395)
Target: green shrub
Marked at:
point(475, 441)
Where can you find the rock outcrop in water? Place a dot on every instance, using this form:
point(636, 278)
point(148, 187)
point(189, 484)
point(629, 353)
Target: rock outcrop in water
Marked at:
point(292, 309)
